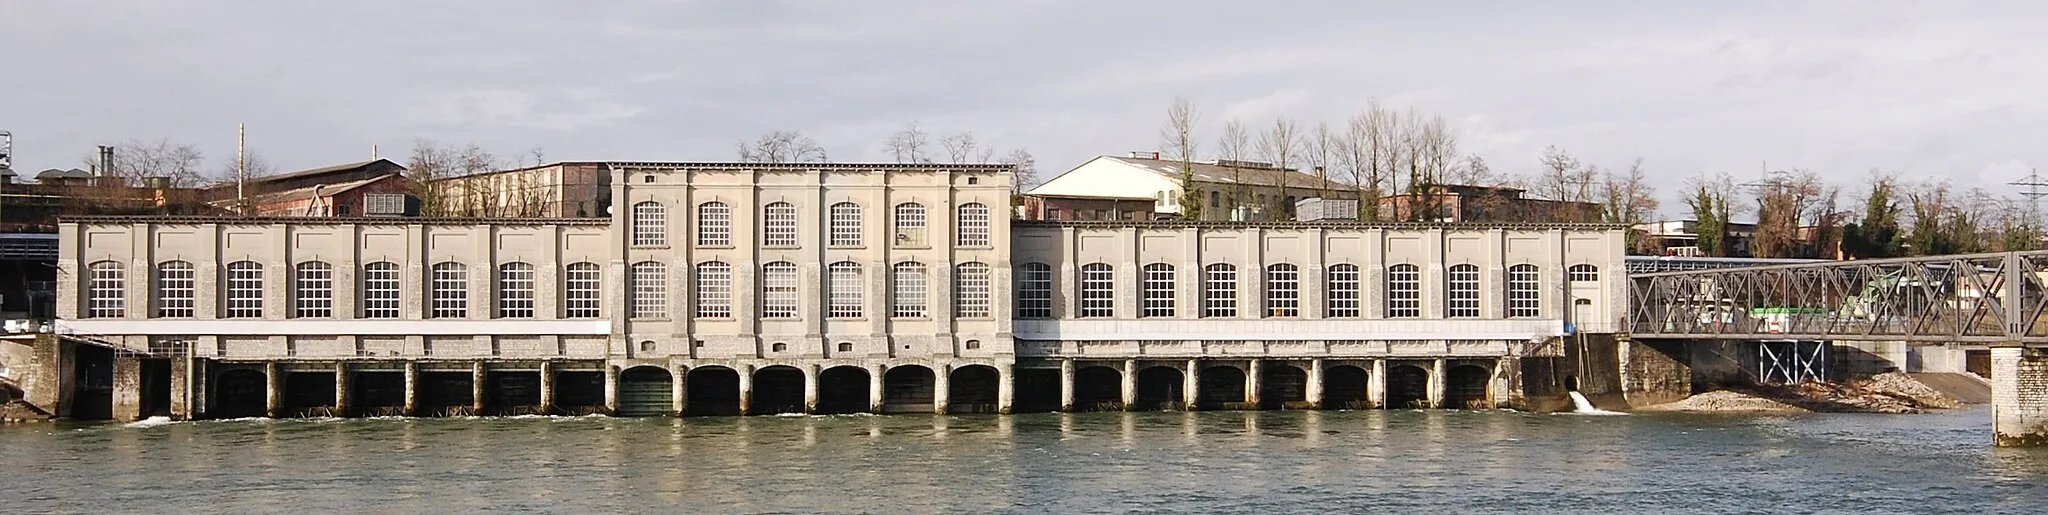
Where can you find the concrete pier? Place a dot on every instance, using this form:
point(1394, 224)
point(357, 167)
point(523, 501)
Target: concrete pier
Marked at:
point(341, 383)
point(1066, 386)
point(746, 389)
point(547, 387)
point(127, 395)
point(1130, 385)
point(2019, 396)
point(1006, 388)
point(1376, 384)
point(273, 389)
point(1253, 372)
point(1315, 384)
point(478, 380)
point(1191, 386)
point(412, 389)
point(1436, 384)
point(611, 389)
point(679, 390)
point(942, 388)
point(875, 390)
point(810, 388)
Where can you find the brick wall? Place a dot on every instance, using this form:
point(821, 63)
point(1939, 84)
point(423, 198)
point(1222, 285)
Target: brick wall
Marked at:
point(2019, 396)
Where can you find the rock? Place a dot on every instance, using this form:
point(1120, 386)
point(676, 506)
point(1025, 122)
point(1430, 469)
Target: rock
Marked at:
point(1725, 401)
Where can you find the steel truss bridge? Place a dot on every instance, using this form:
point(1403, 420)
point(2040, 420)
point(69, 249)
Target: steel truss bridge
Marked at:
point(1993, 298)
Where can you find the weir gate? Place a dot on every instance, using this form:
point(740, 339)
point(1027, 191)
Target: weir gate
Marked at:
point(1995, 300)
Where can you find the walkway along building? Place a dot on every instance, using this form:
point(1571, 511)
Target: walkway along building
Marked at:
point(722, 288)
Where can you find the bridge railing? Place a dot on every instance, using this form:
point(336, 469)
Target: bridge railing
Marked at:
point(1994, 297)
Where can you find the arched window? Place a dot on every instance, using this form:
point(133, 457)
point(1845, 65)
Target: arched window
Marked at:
point(647, 346)
point(1157, 287)
point(1404, 291)
point(907, 283)
point(843, 290)
point(1283, 290)
point(244, 290)
point(973, 225)
point(714, 290)
point(778, 224)
point(1344, 289)
point(1461, 291)
point(1034, 290)
point(972, 288)
point(1582, 273)
point(845, 225)
point(313, 290)
point(450, 284)
point(714, 224)
point(650, 223)
point(910, 224)
point(973, 344)
point(845, 346)
point(380, 290)
point(1219, 291)
point(778, 347)
point(176, 284)
point(583, 291)
point(778, 290)
point(1098, 290)
point(1525, 287)
point(106, 290)
point(515, 290)
point(650, 289)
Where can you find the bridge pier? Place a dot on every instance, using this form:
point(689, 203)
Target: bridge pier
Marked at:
point(2019, 396)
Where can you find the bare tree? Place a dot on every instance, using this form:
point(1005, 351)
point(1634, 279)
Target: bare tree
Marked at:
point(1321, 150)
point(1178, 137)
point(1564, 177)
point(1712, 211)
point(1231, 150)
point(1431, 154)
point(1280, 146)
point(1027, 169)
point(454, 181)
point(908, 145)
point(177, 163)
point(253, 165)
point(1783, 201)
point(1364, 159)
point(1629, 199)
point(959, 147)
point(781, 147)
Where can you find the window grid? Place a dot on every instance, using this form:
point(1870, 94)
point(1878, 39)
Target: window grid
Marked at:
point(1462, 292)
point(778, 290)
point(313, 290)
point(1344, 299)
point(971, 290)
point(778, 225)
point(380, 290)
point(582, 295)
point(176, 285)
point(1157, 286)
point(650, 224)
point(1582, 273)
point(515, 290)
point(973, 225)
point(1098, 291)
point(845, 288)
point(907, 283)
point(714, 290)
point(1219, 291)
point(1034, 291)
point(1283, 290)
point(1404, 291)
point(1524, 292)
point(650, 289)
point(910, 224)
point(845, 225)
point(245, 290)
point(451, 290)
point(106, 290)
point(714, 224)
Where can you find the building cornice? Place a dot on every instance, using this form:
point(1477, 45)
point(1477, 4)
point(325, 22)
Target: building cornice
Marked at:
point(325, 220)
point(1173, 224)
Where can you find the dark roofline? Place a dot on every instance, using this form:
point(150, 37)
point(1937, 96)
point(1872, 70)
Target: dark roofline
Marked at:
point(317, 171)
point(326, 220)
point(1320, 224)
point(800, 166)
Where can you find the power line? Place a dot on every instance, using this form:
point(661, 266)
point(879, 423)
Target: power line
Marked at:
point(2033, 183)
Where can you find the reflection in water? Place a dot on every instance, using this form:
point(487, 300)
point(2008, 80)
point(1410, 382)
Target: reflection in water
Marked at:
point(1221, 461)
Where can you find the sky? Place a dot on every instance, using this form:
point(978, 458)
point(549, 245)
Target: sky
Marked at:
point(1928, 90)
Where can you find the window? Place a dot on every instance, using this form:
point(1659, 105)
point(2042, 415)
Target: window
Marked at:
point(1219, 291)
point(778, 290)
point(714, 290)
point(971, 290)
point(1034, 291)
point(714, 224)
point(1404, 291)
point(1157, 285)
point(1582, 273)
point(380, 290)
point(907, 282)
point(845, 346)
point(176, 282)
point(582, 296)
point(778, 347)
point(845, 225)
point(245, 290)
point(650, 289)
point(647, 346)
point(106, 291)
point(515, 290)
point(843, 290)
point(1525, 288)
point(973, 225)
point(973, 344)
point(451, 290)
point(910, 223)
point(313, 290)
point(1053, 213)
point(1461, 289)
point(973, 181)
point(648, 179)
point(1098, 291)
point(778, 225)
point(1343, 293)
point(650, 223)
point(1215, 198)
point(1283, 290)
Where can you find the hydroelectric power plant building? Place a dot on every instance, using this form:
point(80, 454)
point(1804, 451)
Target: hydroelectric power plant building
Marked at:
point(727, 288)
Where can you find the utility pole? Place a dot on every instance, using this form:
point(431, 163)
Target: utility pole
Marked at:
point(241, 171)
point(2033, 184)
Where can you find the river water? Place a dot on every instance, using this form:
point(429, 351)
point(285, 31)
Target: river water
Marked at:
point(1209, 462)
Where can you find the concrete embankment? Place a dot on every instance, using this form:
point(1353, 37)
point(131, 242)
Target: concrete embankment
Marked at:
point(1891, 392)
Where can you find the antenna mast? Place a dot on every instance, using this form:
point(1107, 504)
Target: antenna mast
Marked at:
point(241, 170)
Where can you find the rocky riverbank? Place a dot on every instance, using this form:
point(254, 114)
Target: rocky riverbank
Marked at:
point(1891, 392)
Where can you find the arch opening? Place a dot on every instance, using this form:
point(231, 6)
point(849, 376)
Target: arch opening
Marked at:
point(446, 393)
point(843, 390)
point(1465, 387)
point(778, 389)
point(1222, 388)
point(646, 391)
point(908, 389)
point(1283, 386)
point(1098, 388)
point(1037, 390)
point(712, 391)
point(517, 392)
point(579, 392)
point(376, 394)
point(1347, 387)
point(973, 389)
point(1407, 387)
point(1161, 388)
point(309, 394)
point(239, 393)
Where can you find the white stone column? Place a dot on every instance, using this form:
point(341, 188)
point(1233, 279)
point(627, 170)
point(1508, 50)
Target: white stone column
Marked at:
point(547, 387)
point(412, 388)
point(273, 389)
point(477, 393)
point(1191, 391)
point(679, 388)
point(942, 389)
point(1315, 383)
point(746, 389)
point(810, 388)
point(1253, 371)
point(1436, 384)
point(875, 390)
point(1130, 384)
point(611, 387)
point(1006, 387)
point(341, 383)
point(1376, 386)
point(1066, 385)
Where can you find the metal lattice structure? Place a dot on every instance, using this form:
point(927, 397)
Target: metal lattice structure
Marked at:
point(1985, 298)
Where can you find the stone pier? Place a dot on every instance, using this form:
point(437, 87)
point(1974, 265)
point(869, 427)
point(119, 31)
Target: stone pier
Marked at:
point(547, 387)
point(2019, 396)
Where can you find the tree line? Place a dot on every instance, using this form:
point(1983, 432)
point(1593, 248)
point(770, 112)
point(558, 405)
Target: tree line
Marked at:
point(1799, 215)
point(911, 144)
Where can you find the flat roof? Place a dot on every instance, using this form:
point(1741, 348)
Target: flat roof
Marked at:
point(329, 220)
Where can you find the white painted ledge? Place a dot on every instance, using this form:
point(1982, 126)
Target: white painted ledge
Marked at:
point(333, 327)
point(1283, 329)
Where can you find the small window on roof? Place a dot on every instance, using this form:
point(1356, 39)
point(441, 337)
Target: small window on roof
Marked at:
point(649, 179)
point(973, 181)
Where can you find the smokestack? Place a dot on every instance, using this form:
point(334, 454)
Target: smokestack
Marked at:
point(106, 161)
point(241, 171)
point(1323, 175)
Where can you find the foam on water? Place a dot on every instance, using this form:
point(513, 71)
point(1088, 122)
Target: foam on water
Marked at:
point(150, 422)
point(1582, 406)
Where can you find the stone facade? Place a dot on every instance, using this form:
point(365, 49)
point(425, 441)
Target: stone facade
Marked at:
point(2019, 396)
